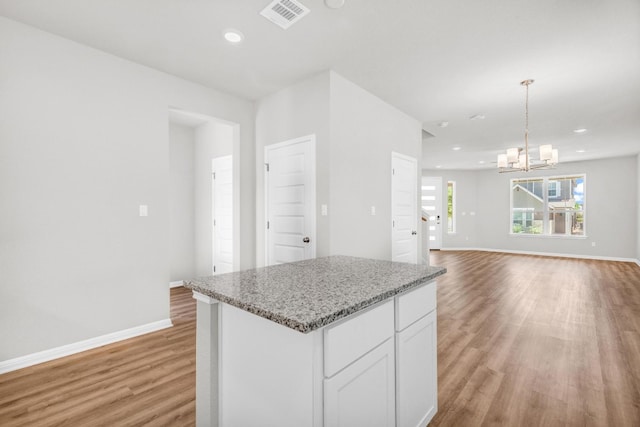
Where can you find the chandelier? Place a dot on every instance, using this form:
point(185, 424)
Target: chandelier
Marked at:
point(518, 159)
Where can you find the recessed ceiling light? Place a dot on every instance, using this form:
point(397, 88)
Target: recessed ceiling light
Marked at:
point(581, 151)
point(443, 124)
point(438, 166)
point(481, 162)
point(233, 36)
point(582, 130)
point(477, 117)
point(457, 148)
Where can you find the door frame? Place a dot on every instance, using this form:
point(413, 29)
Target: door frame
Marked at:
point(311, 140)
point(214, 233)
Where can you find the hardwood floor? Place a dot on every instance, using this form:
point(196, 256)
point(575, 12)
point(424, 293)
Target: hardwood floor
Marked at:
point(522, 340)
point(148, 380)
point(527, 340)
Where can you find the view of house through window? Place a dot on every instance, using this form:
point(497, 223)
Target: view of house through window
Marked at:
point(551, 206)
point(451, 205)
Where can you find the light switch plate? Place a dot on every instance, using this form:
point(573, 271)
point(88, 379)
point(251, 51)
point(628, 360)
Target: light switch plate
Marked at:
point(325, 210)
point(144, 210)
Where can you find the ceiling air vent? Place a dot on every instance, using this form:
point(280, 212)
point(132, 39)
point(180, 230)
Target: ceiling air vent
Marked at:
point(284, 13)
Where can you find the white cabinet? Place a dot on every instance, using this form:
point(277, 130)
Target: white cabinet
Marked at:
point(416, 374)
point(416, 356)
point(363, 394)
point(359, 369)
point(361, 388)
point(374, 368)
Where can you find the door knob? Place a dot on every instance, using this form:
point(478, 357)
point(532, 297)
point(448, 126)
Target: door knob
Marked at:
point(306, 239)
point(413, 233)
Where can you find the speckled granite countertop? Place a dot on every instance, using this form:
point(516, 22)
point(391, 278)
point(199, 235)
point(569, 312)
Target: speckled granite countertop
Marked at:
point(310, 294)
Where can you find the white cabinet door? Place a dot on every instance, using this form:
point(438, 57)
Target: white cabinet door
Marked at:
point(417, 373)
point(363, 394)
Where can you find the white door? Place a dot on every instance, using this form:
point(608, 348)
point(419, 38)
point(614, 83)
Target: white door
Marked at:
point(222, 214)
point(432, 203)
point(363, 393)
point(290, 200)
point(404, 211)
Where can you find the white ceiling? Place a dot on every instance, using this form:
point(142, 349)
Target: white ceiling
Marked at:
point(437, 60)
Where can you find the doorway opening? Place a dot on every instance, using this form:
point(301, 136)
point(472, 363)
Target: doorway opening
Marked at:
point(195, 140)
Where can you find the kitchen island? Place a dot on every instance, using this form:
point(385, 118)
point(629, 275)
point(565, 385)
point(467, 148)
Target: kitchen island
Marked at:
point(323, 342)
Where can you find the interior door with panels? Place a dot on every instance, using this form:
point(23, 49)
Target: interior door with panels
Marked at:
point(290, 200)
point(404, 210)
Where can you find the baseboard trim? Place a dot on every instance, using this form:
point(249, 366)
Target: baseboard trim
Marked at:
point(80, 346)
point(638, 262)
point(549, 254)
point(176, 284)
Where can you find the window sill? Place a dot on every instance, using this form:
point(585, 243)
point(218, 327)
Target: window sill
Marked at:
point(549, 236)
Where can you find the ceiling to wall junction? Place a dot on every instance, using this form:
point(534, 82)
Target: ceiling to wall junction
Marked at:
point(439, 61)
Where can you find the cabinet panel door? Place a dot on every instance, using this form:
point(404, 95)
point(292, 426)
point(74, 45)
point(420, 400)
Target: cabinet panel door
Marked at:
point(417, 373)
point(363, 394)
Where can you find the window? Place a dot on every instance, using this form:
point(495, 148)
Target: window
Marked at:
point(552, 206)
point(554, 189)
point(451, 206)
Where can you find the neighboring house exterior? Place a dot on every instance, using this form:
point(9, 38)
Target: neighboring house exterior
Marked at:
point(564, 209)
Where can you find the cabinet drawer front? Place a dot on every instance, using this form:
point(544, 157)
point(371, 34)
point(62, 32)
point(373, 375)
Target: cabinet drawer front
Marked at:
point(350, 339)
point(363, 394)
point(415, 304)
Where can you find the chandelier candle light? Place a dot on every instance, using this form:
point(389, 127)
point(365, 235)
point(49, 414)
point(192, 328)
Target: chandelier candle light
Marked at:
point(517, 159)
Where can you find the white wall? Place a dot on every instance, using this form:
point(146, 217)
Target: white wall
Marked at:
point(213, 139)
point(355, 135)
point(83, 142)
point(296, 111)
point(181, 203)
point(364, 132)
point(466, 208)
point(611, 210)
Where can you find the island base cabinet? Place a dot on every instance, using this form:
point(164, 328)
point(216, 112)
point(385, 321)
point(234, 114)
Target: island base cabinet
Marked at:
point(270, 375)
point(363, 393)
point(416, 374)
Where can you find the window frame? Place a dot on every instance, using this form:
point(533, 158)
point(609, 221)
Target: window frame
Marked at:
point(546, 234)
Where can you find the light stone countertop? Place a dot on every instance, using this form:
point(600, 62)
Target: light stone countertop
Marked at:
point(310, 294)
